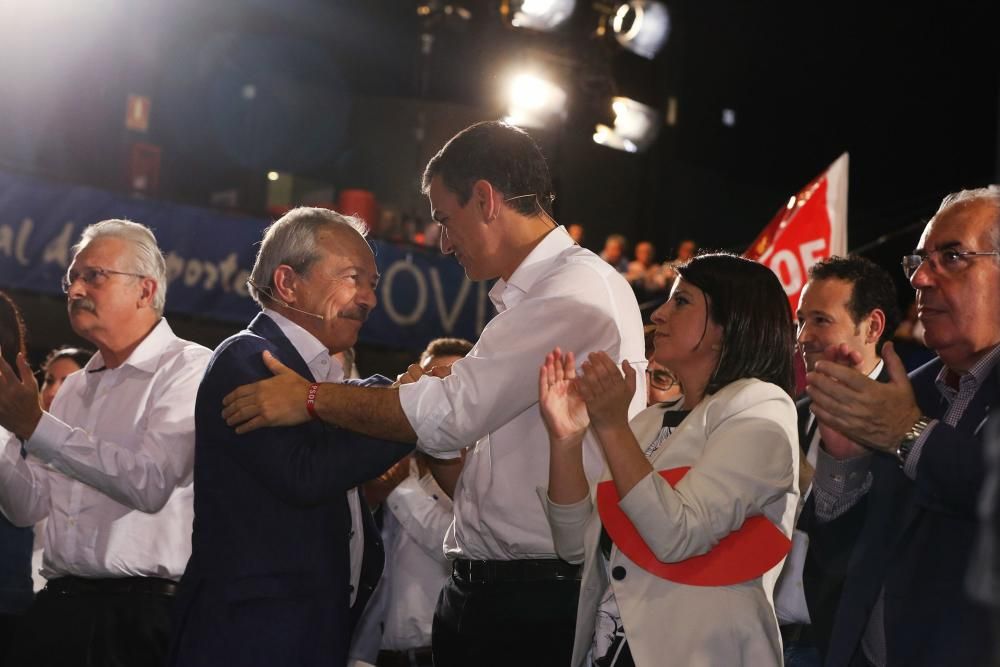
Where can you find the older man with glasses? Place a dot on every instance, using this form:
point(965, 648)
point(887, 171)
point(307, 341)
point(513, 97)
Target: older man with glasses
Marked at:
point(110, 465)
point(906, 553)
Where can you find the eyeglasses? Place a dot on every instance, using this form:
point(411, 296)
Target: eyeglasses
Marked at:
point(947, 261)
point(93, 276)
point(660, 379)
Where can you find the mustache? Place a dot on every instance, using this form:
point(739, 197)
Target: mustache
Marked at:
point(359, 314)
point(81, 304)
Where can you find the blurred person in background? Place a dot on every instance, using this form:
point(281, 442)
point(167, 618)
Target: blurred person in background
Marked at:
point(615, 252)
point(414, 513)
point(58, 365)
point(16, 590)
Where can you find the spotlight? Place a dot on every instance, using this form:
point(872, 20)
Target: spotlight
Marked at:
point(636, 126)
point(534, 101)
point(544, 15)
point(641, 26)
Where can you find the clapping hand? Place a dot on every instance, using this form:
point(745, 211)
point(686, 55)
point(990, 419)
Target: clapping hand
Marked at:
point(606, 390)
point(562, 407)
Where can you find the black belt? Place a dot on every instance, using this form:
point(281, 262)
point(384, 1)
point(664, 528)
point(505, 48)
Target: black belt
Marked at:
point(82, 586)
point(797, 633)
point(411, 657)
point(527, 570)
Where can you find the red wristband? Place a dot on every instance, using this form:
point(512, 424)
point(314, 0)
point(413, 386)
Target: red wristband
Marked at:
point(311, 400)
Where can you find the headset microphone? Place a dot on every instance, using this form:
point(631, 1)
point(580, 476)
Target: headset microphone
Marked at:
point(266, 291)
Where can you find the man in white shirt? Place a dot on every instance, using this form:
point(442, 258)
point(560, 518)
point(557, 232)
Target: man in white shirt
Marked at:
point(510, 600)
point(849, 303)
point(285, 554)
point(110, 465)
point(415, 514)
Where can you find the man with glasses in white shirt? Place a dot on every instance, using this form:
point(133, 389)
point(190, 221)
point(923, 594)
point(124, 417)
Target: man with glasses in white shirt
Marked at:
point(510, 600)
point(903, 601)
point(110, 466)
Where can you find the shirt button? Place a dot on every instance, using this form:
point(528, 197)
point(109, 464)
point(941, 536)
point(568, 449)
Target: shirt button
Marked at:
point(618, 572)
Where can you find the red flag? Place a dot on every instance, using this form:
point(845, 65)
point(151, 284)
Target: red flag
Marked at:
point(811, 227)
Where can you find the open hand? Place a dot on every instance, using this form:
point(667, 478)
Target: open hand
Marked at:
point(19, 408)
point(563, 410)
point(276, 401)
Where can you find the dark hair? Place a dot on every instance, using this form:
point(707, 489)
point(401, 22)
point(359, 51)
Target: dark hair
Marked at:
point(446, 347)
point(502, 154)
point(746, 299)
point(79, 356)
point(12, 332)
point(871, 288)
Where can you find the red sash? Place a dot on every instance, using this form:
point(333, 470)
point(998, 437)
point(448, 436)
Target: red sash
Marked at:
point(744, 554)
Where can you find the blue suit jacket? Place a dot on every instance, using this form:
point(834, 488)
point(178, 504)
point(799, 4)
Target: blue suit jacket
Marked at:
point(268, 582)
point(914, 539)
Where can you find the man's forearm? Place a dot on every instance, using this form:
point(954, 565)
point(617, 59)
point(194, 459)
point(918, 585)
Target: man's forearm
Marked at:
point(373, 411)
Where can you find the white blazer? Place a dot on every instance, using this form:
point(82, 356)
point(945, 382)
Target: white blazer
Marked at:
point(742, 446)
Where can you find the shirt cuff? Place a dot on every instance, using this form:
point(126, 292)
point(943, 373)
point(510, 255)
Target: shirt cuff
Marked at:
point(840, 476)
point(426, 405)
point(11, 447)
point(405, 496)
point(913, 458)
point(578, 512)
point(48, 438)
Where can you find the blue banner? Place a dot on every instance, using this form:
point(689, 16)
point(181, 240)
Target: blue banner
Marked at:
point(422, 294)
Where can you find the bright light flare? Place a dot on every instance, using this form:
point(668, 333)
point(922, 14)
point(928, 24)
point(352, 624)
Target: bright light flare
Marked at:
point(636, 126)
point(543, 15)
point(534, 101)
point(642, 26)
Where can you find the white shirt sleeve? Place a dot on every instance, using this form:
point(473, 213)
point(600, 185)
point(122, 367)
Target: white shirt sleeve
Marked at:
point(498, 379)
point(143, 477)
point(24, 485)
point(425, 518)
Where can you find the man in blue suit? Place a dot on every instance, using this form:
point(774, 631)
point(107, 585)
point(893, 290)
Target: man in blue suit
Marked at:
point(910, 452)
point(285, 553)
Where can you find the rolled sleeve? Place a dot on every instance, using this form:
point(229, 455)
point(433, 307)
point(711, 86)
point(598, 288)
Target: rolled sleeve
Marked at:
point(426, 406)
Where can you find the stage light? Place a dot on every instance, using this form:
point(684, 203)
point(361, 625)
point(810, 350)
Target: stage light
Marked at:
point(544, 15)
point(641, 26)
point(534, 101)
point(273, 175)
point(636, 126)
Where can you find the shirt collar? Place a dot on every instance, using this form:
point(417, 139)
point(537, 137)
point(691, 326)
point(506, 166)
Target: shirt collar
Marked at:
point(877, 370)
point(506, 293)
point(308, 347)
point(146, 355)
point(971, 379)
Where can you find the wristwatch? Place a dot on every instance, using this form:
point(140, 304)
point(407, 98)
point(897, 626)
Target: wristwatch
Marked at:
point(906, 444)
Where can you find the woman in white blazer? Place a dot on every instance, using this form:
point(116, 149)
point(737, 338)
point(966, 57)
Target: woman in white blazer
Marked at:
point(726, 333)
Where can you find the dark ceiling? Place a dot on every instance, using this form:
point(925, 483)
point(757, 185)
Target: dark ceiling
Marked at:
point(911, 93)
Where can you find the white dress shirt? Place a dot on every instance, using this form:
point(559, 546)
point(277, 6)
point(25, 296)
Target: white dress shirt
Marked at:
point(326, 368)
point(418, 514)
point(111, 465)
point(560, 295)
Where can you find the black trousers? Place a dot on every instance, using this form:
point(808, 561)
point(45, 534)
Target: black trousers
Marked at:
point(94, 630)
point(505, 623)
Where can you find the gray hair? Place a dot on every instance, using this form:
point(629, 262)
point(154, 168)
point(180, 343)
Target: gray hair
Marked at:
point(147, 260)
point(989, 194)
point(291, 240)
